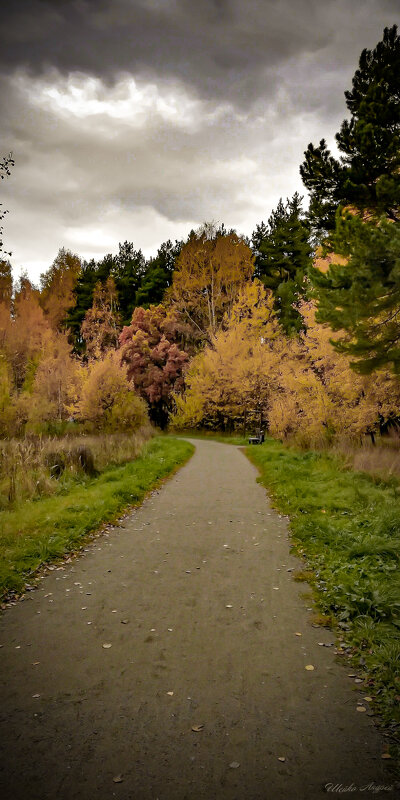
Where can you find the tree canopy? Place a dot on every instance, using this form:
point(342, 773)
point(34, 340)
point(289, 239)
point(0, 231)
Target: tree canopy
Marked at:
point(367, 173)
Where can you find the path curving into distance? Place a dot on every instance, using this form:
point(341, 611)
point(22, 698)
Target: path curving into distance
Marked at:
point(194, 596)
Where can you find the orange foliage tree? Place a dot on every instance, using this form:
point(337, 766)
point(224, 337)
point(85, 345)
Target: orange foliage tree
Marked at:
point(54, 383)
point(57, 285)
point(101, 325)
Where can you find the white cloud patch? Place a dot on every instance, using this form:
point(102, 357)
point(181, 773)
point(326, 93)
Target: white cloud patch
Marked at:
point(133, 102)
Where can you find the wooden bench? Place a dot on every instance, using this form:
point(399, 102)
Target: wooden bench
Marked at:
point(259, 438)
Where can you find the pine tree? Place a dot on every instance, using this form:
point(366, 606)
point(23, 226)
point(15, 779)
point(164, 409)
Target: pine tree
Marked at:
point(367, 173)
point(128, 272)
point(361, 298)
point(91, 274)
point(282, 256)
point(158, 274)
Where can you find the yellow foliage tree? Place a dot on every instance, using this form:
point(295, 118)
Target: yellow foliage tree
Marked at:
point(229, 381)
point(302, 387)
point(209, 271)
point(107, 401)
point(55, 380)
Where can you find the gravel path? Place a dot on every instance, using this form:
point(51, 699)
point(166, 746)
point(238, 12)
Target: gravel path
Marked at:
point(186, 616)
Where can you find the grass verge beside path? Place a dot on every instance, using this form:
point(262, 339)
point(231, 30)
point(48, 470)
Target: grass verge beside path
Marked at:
point(41, 531)
point(346, 525)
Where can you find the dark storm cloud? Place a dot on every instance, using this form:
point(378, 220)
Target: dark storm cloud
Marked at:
point(230, 48)
point(141, 119)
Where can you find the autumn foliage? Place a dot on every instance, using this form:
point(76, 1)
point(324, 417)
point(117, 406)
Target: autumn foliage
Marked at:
point(214, 354)
point(153, 359)
point(211, 268)
point(298, 388)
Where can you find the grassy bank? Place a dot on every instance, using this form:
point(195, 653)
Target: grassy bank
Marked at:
point(346, 526)
point(40, 531)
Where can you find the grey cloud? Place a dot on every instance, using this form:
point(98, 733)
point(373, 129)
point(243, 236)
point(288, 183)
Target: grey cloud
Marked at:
point(224, 48)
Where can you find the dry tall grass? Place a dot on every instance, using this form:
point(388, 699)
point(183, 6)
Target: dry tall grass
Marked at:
point(37, 466)
point(381, 459)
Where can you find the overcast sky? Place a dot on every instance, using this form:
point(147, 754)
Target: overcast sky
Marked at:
point(140, 119)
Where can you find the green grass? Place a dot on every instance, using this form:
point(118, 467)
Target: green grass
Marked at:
point(346, 525)
point(41, 531)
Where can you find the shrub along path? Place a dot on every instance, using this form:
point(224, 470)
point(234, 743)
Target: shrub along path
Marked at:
point(167, 661)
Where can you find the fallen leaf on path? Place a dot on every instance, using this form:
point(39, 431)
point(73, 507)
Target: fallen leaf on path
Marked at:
point(352, 675)
point(281, 758)
point(170, 630)
point(234, 764)
point(298, 634)
point(358, 680)
point(386, 755)
point(368, 699)
point(36, 695)
point(170, 694)
point(197, 728)
point(229, 606)
point(276, 587)
point(107, 645)
point(118, 779)
point(309, 667)
point(124, 621)
point(361, 708)
point(35, 663)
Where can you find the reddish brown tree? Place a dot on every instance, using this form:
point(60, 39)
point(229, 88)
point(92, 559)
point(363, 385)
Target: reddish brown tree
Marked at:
point(154, 361)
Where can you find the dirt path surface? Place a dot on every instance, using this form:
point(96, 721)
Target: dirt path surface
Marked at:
point(194, 596)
